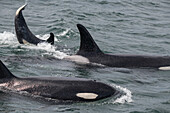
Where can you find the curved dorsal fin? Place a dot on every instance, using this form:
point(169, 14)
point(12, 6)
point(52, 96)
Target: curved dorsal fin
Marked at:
point(87, 44)
point(4, 72)
point(23, 33)
point(51, 39)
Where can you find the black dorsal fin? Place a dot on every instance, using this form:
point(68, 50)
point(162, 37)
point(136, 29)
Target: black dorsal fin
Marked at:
point(4, 72)
point(87, 44)
point(51, 39)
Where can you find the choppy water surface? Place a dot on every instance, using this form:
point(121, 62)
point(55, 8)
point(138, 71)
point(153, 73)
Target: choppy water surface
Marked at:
point(118, 27)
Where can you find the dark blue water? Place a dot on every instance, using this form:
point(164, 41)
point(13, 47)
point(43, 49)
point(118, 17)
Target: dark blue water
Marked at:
point(118, 27)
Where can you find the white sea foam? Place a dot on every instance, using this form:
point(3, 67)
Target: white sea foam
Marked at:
point(64, 32)
point(10, 39)
point(50, 49)
point(45, 37)
point(7, 38)
point(127, 97)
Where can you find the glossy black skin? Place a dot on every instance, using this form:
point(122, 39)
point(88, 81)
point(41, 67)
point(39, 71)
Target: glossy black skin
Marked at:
point(90, 50)
point(55, 87)
point(23, 32)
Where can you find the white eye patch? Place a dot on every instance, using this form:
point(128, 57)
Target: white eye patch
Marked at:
point(166, 68)
point(87, 95)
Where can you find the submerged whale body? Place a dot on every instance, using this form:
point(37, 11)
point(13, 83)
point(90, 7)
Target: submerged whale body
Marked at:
point(56, 88)
point(89, 52)
point(24, 35)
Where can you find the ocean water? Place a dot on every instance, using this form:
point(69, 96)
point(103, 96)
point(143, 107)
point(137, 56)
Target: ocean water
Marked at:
point(139, 27)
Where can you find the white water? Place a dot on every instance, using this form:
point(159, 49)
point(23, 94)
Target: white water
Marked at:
point(127, 97)
point(63, 33)
point(10, 39)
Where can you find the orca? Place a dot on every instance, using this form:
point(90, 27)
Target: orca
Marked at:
point(89, 52)
point(62, 89)
point(24, 35)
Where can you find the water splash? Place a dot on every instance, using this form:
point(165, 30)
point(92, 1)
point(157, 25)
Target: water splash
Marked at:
point(8, 39)
point(48, 48)
point(127, 97)
point(46, 36)
point(63, 33)
point(51, 50)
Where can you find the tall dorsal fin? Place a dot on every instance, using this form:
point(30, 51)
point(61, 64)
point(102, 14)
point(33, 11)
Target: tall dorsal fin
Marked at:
point(4, 72)
point(87, 44)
